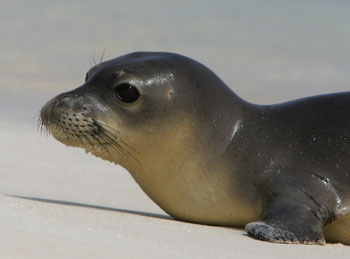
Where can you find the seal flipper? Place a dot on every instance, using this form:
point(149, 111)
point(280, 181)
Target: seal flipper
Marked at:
point(288, 221)
point(297, 207)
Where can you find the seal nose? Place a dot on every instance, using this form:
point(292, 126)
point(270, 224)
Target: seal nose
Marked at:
point(64, 101)
point(68, 102)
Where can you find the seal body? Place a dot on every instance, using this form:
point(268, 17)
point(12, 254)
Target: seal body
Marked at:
point(205, 155)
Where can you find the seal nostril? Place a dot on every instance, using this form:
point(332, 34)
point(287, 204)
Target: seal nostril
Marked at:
point(65, 97)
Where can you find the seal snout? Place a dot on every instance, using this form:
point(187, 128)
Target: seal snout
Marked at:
point(65, 118)
point(68, 103)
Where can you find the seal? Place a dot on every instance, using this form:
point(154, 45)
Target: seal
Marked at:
point(205, 155)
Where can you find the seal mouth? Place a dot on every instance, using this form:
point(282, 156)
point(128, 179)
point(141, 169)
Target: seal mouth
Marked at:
point(77, 129)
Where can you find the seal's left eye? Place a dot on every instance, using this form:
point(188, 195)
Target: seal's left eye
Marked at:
point(126, 93)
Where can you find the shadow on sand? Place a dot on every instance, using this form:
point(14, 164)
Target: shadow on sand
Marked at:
point(77, 204)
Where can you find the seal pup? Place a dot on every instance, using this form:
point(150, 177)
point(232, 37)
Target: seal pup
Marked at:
point(204, 155)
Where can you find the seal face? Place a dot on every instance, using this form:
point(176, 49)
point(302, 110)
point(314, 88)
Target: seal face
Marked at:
point(205, 155)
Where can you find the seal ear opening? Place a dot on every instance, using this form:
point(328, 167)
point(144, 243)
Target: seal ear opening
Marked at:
point(171, 94)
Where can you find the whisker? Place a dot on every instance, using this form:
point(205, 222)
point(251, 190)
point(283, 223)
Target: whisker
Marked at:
point(116, 141)
point(39, 123)
point(110, 139)
point(108, 128)
point(117, 145)
point(94, 60)
point(102, 56)
point(88, 140)
point(100, 143)
point(37, 115)
point(100, 123)
point(78, 136)
point(41, 127)
point(119, 150)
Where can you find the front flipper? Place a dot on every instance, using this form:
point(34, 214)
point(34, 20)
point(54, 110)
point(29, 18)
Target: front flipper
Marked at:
point(297, 207)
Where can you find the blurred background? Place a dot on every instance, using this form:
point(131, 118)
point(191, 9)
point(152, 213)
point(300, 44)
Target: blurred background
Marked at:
point(266, 51)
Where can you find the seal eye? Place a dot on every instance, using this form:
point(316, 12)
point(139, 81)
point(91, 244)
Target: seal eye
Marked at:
point(86, 77)
point(126, 93)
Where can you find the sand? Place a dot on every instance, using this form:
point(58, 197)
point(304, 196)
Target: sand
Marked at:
point(58, 202)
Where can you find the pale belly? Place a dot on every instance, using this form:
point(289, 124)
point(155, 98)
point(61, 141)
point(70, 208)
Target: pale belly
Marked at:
point(221, 213)
point(209, 201)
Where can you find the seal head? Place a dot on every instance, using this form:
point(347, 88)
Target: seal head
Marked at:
point(156, 114)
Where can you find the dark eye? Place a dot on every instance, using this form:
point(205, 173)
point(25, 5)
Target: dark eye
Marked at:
point(126, 93)
point(86, 77)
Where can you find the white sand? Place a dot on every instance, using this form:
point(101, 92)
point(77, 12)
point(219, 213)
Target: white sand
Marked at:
point(93, 209)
